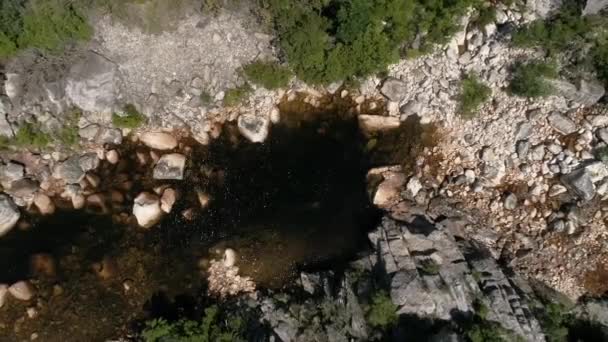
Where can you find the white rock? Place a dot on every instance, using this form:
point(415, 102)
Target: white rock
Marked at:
point(414, 186)
point(159, 140)
point(229, 257)
point(388, 191)
point(170, 166)
point(9, 214)
point(21, 290)
point(254, 128)
point(112, 157)
point(146, 209)
point(275, 115)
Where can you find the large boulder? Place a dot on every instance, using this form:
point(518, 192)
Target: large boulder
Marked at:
point(69, 171)
point(9, 214)
point(595, 6)
point(561, 123)
point(254, 128)
point(159, 140)
point(394, 89)
point(170, 166)
point(92, 84)
point(146, 209)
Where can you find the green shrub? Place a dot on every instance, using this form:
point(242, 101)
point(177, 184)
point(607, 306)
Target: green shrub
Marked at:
point(530, 80)
point(473, 93)
point(485, 16)
point(602, 154)
point(209, 329)
point(130, 118)
point(599, 55)
point(555, 323)
point(382, 312)
point(30, 135)
point(236, 95)
point(270, 75)
point(486, 332)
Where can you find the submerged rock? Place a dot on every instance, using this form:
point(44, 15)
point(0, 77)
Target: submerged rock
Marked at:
point(146, 209)
point(170, 166)
point(159, 140)
point(9, 214)
point(254, 128)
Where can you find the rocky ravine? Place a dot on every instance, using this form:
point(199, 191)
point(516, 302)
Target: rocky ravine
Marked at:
point(523, 170)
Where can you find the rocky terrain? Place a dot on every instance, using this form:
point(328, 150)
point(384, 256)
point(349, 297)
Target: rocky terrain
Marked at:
point(505, 211)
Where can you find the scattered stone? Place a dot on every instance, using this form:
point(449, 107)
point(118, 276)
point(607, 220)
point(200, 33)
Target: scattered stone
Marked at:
point(69, 171)
point(393, 89)
point(410, 108)
point(89, 132)
point(522, 148)
point(254, 128)
point(44, 204)
point(168, 199)
point(9, 214)
point(414, 186)
point(159, 140)
point(579, 183)
point(556, 190)
point(112, 136)
point(510, 202)
point(146, 209)
point(370, 124)
point(487, 154)
point(523, 131)
point(537, 153)
point(21, 290)
point(561, 123)
point(170, 166)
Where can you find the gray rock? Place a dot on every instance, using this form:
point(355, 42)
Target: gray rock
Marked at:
point(586, 93)
point(537, 153)
point(69, 170)
point(487, 154)
point(9, 214)
point(510, 202)
point(89, 132)
point(602, 134)
point(522, 148)
point(394, 89)
point(112, 136)
point(410, 108)
point(595, 6)
point(23, 189)
point(544, 8)
point(170, 166)
point(254, 128)
point(579, 184)
point(523, 131)
point(88, 162)
point(561, 123)
point(10, 173)
point(5, 127)
point(92, 84)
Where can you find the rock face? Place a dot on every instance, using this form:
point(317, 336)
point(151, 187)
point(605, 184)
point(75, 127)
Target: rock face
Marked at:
point(92, 84)
point(170, 166)
point(393, 89)
point(9, 214)
point(594, 6)
point(147, 209)
point(159, 140)
point(585, 92)
point(254, 128)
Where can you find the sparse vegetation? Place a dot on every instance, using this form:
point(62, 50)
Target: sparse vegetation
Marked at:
point(42, 24)
point(602, 154)
point(129, 118)
point(236, 95)
point(555, 322)
point(530, 80)
point(473, 94)
point(270, 75)
point(30, 135)
point(429, 267)
point(382, 312)
point(209, 329)
point(206, 98)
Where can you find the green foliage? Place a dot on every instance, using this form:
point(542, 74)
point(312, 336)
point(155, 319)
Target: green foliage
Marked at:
point(270, 75)
point(529, 80)
point(236, 95)
point(382, 312)
point(473, 93)
point(485, 16)
point(486, 332)
point(555, 323)
point(30, 135)
point(130, 118)
point(209, 329)
point(439, 18)
point(68, 134)
point(599, 55)
point(602, 154)
point(429, 267)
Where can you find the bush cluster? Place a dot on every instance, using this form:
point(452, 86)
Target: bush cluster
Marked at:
point(209, 329)
point(270, 75)
point(130, 118)
point(43, 24)
point(472, 94)
point(234, 96)
point(326, 41)
point(30, 135)
point(382, 312)
point(530, 79)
